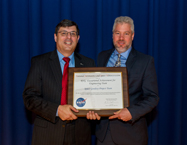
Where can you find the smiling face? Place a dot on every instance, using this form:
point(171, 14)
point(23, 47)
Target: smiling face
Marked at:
point(122, 37)
point(66, 41)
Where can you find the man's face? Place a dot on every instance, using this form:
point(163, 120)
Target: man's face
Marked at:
point(66, 40)
point(122, 37)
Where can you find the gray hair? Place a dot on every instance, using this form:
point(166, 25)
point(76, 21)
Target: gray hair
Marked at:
point(124, 19)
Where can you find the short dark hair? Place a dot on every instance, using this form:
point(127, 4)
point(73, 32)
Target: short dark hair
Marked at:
point(66, 23)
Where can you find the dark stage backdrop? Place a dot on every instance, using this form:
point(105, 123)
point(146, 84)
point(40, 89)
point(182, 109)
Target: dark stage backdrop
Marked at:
point(27, 28)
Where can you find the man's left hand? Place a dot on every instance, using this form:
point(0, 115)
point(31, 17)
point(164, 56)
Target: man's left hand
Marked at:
point(122, 114)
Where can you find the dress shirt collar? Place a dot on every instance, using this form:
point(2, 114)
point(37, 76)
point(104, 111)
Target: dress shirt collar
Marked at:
point(124, 54)
point(60, 56)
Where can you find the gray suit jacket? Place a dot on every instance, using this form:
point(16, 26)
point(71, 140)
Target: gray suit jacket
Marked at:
point(143, 95)
point(42, 95)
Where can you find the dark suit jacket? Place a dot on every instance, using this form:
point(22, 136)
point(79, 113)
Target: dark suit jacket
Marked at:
point(42, 95)
point(143, 95)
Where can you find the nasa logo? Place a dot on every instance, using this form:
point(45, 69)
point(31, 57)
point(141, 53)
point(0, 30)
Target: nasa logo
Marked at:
point(81, 102)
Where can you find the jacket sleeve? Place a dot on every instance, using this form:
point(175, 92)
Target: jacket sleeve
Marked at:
point(144, 92)
point(33, 94)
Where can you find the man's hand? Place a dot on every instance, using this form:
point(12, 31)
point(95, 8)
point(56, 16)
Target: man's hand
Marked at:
point(122, 114)
point(65, 112)
point(92, 116)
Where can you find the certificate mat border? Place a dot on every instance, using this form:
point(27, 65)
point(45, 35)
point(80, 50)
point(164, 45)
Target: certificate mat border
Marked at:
point(98, 73)
point(101, 112)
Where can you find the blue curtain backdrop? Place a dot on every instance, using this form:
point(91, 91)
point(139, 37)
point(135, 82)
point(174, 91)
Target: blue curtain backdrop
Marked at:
point(27, 28)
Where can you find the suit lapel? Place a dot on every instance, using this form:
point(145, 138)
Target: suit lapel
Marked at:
point(78, 61)
point(55, 66)
point(131, 59)
point(106, 57)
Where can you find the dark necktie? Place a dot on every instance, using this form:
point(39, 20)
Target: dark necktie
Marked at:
point(65, 81)
point(118, 62)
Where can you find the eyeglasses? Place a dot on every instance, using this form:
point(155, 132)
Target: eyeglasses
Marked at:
point(65, 33)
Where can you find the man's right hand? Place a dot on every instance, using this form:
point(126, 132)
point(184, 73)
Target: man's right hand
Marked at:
point(65, 112)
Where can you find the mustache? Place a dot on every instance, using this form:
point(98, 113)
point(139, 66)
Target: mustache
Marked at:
point(120, 41)
point(69, 40)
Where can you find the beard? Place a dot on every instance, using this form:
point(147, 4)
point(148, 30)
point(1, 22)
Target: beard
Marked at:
point(121, 49)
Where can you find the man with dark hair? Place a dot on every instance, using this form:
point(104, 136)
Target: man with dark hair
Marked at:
point(128, 125)
point(66, 23)
point(46, 89)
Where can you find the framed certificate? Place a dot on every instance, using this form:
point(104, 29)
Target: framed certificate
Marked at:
point(103, 90)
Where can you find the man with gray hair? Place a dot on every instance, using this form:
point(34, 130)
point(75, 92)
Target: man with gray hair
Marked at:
point(128, 126)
